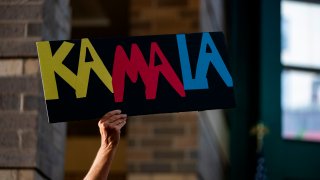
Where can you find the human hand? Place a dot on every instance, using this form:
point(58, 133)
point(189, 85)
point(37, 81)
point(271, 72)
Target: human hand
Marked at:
point(110, 127)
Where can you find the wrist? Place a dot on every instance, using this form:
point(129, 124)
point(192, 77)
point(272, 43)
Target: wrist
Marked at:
point(107, 151)
point(108, 147)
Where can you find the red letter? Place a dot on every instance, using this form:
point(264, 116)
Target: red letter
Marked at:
point(166, 70)
point(137, 66)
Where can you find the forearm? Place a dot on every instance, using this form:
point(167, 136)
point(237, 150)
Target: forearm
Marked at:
point(102, 163)
point(109, 126)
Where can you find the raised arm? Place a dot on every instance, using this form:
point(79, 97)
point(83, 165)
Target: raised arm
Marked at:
point(109, 125)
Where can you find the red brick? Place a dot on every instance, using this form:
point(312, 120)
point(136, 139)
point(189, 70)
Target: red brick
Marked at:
point(194, 4)
point(141, 25)
point(31, 67)
point(10, 102)
point(189, 13)
point(132, 167)
point(169, 130)
point(25, 84)
point(8, 174)
point(12, 30)
point(17, 158)
point(155, 143)
point(132, 143)
point(186, 167)
point(141, 4)
point(168, 154)
point(193, 154)
point(190, 118)
point(155, 167)
point(28, 139)
point(9, 139)
point(163, 3)
point(12, 120)
point(33, 102)
point(139, 155)
point(34, 29)
point(135, 130)
point(186, 142)
point(157, 118)
point(19, 47)
point(21, 12)
point(21, 139)
point(11, 67)
point(26, 174)
point(175, 176)
point(15, 2)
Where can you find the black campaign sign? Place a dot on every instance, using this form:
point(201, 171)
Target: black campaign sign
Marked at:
point(83, 79)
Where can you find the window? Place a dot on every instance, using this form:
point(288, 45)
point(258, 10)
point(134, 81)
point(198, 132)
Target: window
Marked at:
point(300, 57)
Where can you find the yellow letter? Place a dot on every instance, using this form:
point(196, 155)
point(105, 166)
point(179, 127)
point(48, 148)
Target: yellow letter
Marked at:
point(96, 65)
point(50, 64)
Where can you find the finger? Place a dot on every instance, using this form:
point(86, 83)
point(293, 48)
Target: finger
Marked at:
point(116, 122)
point(111, 113)
point(113, 118)
point(116, 117)
point(119, 126)
point(107, 117)
point(121, 121)
point(112, 124)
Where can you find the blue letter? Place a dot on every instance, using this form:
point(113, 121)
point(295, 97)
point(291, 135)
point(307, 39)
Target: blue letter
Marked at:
point(200, 81)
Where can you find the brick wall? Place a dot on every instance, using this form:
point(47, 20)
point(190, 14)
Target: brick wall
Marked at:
point(30, 148)
point(179, 145)
point(164, 16)
point(163, 146)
